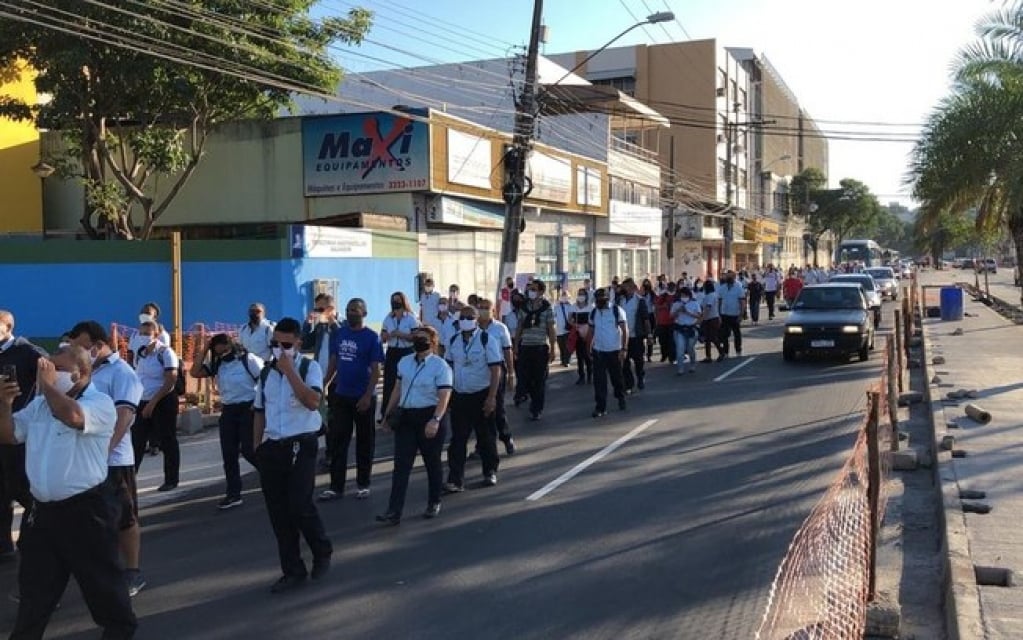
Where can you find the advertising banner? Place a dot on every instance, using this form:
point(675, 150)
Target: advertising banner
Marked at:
point(330, 242)
point(551, 176)
point(348, 154)
point(469, 159)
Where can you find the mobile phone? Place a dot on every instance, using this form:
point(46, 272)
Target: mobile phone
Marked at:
point(8, 373)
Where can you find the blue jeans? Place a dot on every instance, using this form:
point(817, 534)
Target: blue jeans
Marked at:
point(685, 345)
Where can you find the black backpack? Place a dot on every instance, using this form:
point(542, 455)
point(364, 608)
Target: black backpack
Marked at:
point(303, 369)
point(180, 385)
point(484, 339)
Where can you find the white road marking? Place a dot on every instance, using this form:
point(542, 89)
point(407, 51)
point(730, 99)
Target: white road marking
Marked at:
point(597, 457)
point(734, 369)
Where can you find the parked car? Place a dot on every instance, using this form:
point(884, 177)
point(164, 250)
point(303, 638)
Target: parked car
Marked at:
point(870, 291)
point(886, 281)
point(987, 264)
point(967, 263)
point(832, 318)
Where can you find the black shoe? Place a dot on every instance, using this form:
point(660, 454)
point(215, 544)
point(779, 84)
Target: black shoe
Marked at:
point(580, 382)
point(706, 360)
point(598, 413)
point(389, 519)
point(287, 583)
point(721, 358)
point(320, 567)
point(641, 385)
point(509, 446)
point(589, 378)
point(230, 502)
point(622, 404)
point(452, 487)
point(432, 511)
point(738, 352)
point(535, 417)
point(167, 486)
point(518, 402)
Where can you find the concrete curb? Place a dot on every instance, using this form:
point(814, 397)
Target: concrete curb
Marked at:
point(963, 619)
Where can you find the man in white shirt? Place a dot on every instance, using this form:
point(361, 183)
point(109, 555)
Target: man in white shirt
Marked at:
point(608, 350)
point(562, 317)
point(772, 284)
point(256, 335)
point(287, 420)
point(428, 302)
point(71, 530)
point(499, 331)
point(731, 306)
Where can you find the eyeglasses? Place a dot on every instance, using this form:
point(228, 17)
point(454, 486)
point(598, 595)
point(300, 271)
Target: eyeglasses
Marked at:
point(283, 345)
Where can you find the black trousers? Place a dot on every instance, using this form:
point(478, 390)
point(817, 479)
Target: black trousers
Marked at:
point(391, 358)
point(467, 417)
point(754, 308)
point(710, 328)
point(535, 366)
point(344, 420)
point(409, 439)
point(74, 537)
point(634, 357)
point(769, 298)
point(13, 486)
point(650, 338)
point(730, 327)
point(583, 360)
point(607, 364)
point(563, 352)
point(164, 425)
point(501, 414)
point(287, 473)
point(236, 437)
point(666, 340)
point(520, 392)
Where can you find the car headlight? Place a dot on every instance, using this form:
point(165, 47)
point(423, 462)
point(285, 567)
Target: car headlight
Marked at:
point(793, 329)
point(850, 328)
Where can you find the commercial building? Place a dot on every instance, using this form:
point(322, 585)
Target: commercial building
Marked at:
point(21, 207)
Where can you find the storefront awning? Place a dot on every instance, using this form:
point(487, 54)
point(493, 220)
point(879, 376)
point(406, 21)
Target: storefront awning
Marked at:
point(626, 111)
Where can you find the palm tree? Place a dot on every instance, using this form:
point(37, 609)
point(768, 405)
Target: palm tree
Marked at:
point(971, 150)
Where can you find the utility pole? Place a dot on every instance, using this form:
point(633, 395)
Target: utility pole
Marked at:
point(729, 227)
point(669, 235)
point(516, 185)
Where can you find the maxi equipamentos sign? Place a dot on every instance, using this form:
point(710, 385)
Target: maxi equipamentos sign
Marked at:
point(356, 153)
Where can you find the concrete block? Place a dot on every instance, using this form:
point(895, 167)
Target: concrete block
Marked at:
point(910, 397)
point(190, 421)
point(904, 460)
point(884, 618)
point(948, 443)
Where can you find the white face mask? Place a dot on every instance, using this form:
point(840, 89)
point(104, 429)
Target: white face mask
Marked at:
point(145, 318)
point(467, 324)
point(428, 289)
point(581, 299)
point(64, 381)
point(442, 308)
point(532, 294)
point(138, 341)
point(278, 351)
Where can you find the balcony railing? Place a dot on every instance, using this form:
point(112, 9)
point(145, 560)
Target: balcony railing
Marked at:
point(634, 149)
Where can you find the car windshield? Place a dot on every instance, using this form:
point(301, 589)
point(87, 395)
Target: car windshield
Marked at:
point(884, 273)
point(865, 282)
point(829, 298)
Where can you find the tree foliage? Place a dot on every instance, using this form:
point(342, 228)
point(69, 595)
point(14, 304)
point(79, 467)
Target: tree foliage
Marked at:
point(851, 209)
point(802, 187)
point(136, 88)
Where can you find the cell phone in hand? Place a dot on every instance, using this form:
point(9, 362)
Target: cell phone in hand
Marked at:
point(8, 373)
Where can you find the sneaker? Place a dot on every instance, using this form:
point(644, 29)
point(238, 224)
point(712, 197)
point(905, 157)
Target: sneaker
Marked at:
point(641, 385)
point(598, 413)
point(287, 583)
point(362, 493)
point(432, 511)
point(509, 446)
point(230, 502)
point(389, 519)
point(490, 480)
point(329, 494)
point(692, 369)
point(580, 382)
point(451, 487)
point(721, 358)
point(136, 581)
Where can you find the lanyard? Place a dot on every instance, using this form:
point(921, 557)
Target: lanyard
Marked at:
point(466, 346)
point(419, 369)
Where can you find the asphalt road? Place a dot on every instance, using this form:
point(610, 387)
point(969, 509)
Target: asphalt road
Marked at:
point(675, 533)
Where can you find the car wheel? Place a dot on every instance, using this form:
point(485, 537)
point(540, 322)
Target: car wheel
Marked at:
point(788, 354)
point(864, 354)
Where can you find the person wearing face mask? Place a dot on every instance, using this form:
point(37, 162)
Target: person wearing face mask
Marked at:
point(319, 329)
point(151, 312)
point(356, 355)
point(511, 320)
point(256, 334)
point(21, 356)
point(686, 315)
point(732, 305)
point(580, 317)
point(236, 372)
point(286, 427)
point(505, 306)
point(711, 321)
point(113, 376)
point(608, 350)
point(429, 300)
point(665, 324)
point(396, 334)
point(499, 332)
point(157, 368)
point(444, 323)
point(415, 413)
point(562, 327)
point(638, 316)
point(72, 528)
point(475, 361)
point(755, 291)
point(535, 338)
point(650, 297)
point(454, 302)
point(772, 284)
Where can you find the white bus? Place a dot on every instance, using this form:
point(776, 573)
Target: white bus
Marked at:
point(864, 252)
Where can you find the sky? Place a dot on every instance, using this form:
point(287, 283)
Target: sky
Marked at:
point(872, 61)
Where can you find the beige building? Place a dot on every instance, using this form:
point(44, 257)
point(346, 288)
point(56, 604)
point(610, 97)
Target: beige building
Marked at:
point(736, 135)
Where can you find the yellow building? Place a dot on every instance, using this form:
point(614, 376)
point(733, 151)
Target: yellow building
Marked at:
point(21, 203)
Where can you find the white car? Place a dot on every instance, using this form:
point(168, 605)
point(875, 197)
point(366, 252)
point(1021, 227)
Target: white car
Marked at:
point(886, 281)
point(870, 291)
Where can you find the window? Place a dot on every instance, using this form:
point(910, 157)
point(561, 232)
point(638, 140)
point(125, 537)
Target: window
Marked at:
point(625, 84)
point(655, 260)
point(628, 263)
point(642, 264)
point(722, 170)
point(781, 201)
point(735, 92)
point(608, 267)
point(580, 256)
point(742, 179)
point(546, 256)
point(722, 82)
point(742, 99)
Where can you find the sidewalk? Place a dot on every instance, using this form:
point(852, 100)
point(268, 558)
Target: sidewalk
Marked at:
point(985, 548)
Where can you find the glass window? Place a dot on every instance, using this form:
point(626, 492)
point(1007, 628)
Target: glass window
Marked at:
point(546, 256)
point(608, 267)
point(628, 263)
point(580, 256)
point(655, 261)
point(642, 264)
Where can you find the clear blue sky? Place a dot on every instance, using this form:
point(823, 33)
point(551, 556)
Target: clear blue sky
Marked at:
point(876, 61)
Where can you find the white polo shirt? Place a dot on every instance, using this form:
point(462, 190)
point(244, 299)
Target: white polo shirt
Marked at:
point(62, 462)
point(151, 367)
point(772, 281)
point(731, 298)
point(114, 377)
point(562, 314)
point(685, 319)
point(471, 361)
point(429, 303)
point(405, 324)
point(607, 330)
point(631, 308)
point(419, 382)
point(499, 331)
point(237, 378)
point(710, 305)
point(257, 341)
point(445, 327)
point(286, 417)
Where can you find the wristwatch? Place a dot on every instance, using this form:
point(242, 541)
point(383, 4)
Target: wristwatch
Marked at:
point(436, 419)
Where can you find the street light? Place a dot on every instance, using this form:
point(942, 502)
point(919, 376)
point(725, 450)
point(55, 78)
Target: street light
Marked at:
point(778, 159)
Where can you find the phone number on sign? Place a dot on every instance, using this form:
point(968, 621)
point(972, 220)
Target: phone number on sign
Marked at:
point(418, 183)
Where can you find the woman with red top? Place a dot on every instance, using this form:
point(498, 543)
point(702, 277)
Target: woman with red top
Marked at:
point(791, 287)
point(665, 323)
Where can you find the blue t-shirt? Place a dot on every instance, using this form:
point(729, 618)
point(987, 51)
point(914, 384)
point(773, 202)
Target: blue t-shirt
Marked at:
point(356, 350)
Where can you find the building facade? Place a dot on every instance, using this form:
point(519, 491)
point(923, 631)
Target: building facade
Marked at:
point(21, 209)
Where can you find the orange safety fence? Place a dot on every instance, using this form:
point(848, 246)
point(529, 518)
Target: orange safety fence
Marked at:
point(825, 580)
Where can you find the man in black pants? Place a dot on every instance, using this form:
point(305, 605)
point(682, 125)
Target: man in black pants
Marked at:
point(356, 354)
point(536, 339)
point(499, 332)
point(21, 355)
point(638, 319)
point(608, 347)
point(71, 529)
point(287, 414)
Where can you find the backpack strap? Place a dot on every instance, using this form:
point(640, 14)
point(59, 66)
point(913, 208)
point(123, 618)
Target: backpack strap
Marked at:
point(264, 374)
point(244, 355)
